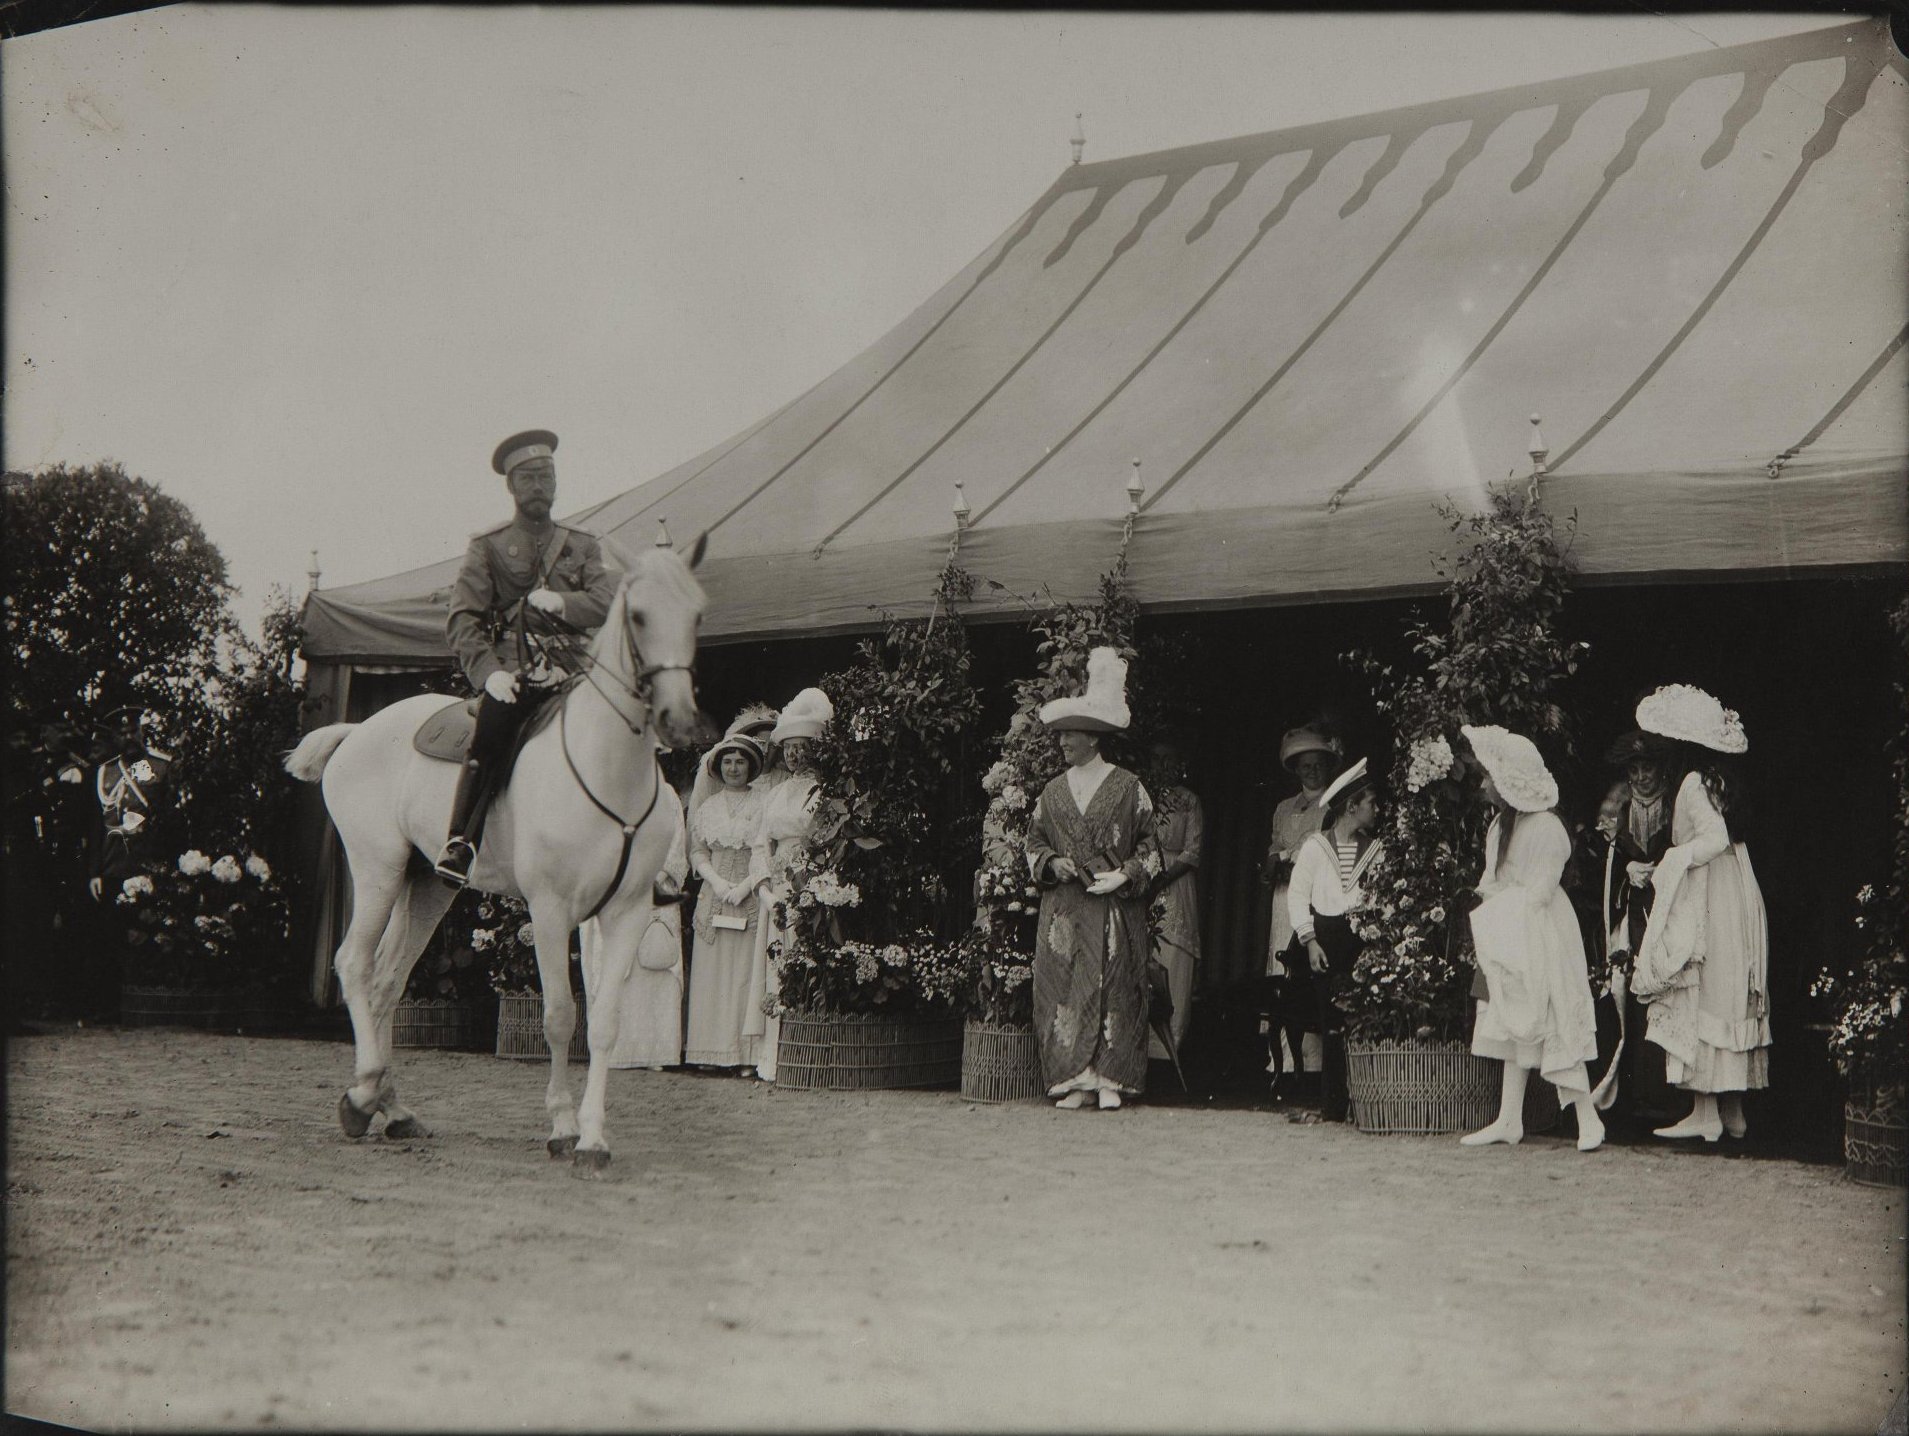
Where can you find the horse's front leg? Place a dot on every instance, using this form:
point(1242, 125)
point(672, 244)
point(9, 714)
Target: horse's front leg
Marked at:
point(609, 953)
point(560, 1020)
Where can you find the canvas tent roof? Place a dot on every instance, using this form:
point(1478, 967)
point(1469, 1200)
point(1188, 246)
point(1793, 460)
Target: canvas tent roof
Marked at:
point(1695, 269)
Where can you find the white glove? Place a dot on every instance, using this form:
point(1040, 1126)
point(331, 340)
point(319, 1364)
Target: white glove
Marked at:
point(502, 685)
point(545, 600)
point(1639, 873)
point(1105, 883)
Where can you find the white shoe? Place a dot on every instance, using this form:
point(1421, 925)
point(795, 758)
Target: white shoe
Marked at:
point(1072, 1102)
point(1591, 1135)
point(1109, 1099)
point(1685, 1129)
point(1496, 1132)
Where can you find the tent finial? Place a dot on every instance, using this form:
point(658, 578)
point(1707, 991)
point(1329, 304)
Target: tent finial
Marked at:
point(312, 574)
point(1079, 140)
point(1539, 453)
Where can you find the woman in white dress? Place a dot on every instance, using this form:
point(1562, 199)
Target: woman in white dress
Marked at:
point(1538, 1014)
point(1704, 965)
point(787, 813)
point(649, 1029)
point(723, 829)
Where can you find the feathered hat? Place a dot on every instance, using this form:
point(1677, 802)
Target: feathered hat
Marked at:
point(805, 716)
point(1103, 707)
point(1517, 770)
point(1683, 711)
point(755, 719)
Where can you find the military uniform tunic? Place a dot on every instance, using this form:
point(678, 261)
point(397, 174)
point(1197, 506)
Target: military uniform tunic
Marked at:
point(504, 564)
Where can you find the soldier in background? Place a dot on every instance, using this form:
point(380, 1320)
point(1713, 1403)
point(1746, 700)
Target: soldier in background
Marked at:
point(528, 584)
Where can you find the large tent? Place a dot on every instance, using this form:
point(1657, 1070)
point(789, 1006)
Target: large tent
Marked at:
point(1694, 269)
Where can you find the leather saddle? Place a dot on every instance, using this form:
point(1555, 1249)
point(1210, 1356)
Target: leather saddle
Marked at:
point(446, 734)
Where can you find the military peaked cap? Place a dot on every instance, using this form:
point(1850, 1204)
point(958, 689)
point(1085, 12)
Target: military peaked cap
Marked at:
point(519, 448)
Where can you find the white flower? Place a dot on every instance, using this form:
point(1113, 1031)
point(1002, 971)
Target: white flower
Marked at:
point(72, 775)
point(226, 869)
point(133, 889)
point(996, 777)
point(829, 890)
point(142, 772)
point(194, 862)
point(1014, 796)
point(1431, 759)
point(867, 965)
point(527, 935)
point(259, 868)
point(482, 938)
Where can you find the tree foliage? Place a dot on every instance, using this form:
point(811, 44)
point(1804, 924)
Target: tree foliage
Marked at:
point(114, 596)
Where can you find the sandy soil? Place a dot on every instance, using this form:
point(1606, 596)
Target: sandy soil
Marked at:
point(192, 1243)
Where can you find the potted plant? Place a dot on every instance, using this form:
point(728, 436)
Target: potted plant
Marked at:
point(1866, 998)
point(502, 936)
point(1497, 658)
point(864, 990)
point(196, 929)
point(999, 1059)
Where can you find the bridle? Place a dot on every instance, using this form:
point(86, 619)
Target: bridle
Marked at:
point(641, 688)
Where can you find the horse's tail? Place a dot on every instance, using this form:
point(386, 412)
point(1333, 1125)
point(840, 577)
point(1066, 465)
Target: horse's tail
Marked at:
point(307, 761)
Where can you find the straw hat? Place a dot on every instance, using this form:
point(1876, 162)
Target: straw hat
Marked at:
point(1634, 745)
point(1306, 740)
point(735, 743)
point(1103, 707)
point(1517, 770)
point(1682, 711)
point(805, 716)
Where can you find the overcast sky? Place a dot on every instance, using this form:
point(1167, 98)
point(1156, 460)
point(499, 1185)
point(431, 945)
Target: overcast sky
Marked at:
point(303, 268)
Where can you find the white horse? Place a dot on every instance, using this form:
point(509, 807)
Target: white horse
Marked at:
point(583, 828)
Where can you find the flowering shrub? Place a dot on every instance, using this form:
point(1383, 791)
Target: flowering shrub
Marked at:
point(1498, 658)
point(915, 976)
point(201, 922)
point(867, 896)
point(503, 943)
point(1866, 1036)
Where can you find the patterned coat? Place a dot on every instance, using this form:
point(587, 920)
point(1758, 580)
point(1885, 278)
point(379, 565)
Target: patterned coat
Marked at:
point(1090, 953)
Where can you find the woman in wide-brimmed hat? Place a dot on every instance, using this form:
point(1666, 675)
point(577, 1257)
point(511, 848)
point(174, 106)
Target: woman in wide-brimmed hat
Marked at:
point(1703, 966)
point(723, 832)
point(1092, 849)
point(787, 812)
point(1537, 1014)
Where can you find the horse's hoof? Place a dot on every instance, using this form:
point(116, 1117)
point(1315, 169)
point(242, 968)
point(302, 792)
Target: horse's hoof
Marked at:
point(589, 1163)
point(560, 1147)
point(401, 1128)
point(355, 1123)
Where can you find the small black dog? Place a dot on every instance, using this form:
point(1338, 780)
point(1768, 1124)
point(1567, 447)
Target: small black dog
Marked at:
point(1243, 1024)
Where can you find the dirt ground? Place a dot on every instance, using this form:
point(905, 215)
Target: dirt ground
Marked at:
point(191, 1242)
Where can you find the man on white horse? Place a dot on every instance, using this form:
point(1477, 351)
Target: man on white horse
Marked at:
point(529, 566)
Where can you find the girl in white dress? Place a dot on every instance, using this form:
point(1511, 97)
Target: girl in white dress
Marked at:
point(1704, 964)
point(723, 829)
point(1539, 1014)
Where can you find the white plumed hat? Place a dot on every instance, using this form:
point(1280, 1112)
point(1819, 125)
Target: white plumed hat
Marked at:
point(1679, 710)
point(1103, 707)
point(1517, 770)
point(804, 717)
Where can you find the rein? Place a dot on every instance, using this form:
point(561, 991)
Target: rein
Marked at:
point(640, 690)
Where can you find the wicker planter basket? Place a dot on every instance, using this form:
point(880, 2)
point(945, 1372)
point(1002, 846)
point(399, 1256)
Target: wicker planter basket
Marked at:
point(455, 1024)
point(215, 1009)
point(845, 1054)
point(1876, 1138)
point(520, 1029)
point(999, 1064)
point(1432, 1088)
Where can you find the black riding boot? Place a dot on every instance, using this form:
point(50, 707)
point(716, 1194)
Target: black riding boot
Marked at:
point(491, 737)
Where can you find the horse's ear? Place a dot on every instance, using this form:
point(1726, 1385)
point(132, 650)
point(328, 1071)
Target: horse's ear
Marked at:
point(696, 553)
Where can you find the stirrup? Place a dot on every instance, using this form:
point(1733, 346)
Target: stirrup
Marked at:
point(454, 863)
